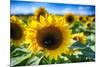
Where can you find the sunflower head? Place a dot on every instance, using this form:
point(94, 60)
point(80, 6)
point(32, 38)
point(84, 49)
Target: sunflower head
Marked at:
point(80, 37)
point(83, 19)
point(50, 35)
point(16, 30)
point(88, 24)
point(69, 18)
point(40, 11)
point(92, 19)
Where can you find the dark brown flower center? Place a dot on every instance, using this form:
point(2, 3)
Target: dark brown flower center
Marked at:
point(80, 18)
point(49, 37)
point(70, 19)
point(15, 32)
point(93, 19)
point(75, 38)
point(88, 24)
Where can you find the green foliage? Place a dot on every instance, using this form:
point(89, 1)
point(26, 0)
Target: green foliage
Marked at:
point(18, 56)
point(22, 57)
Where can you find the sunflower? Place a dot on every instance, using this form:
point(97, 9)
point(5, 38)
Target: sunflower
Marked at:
point(88, 24)
point(92, 19)
point(69, 18)
point(83, 19)
point(80, 37)
point(40, 11)
point(49, 35)
point(17, 29)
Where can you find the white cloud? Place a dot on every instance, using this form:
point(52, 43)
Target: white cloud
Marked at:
point(66, 10)
point(80, 8)
point(19, 10)
point(34, 8)
point(16, 9)
point(83, 13)
point(25, 11)
point(83, 8)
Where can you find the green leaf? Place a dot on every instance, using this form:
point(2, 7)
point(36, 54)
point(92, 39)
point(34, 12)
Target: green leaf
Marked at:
point(91, 37)
point(77, 27)
point(88, 52)
point(19, 52)
point(77, 45)
point(35, 59)
point(46, 60)
point(18, 60)
point(18, 56)
point(73, 58)
point(12, 47)
point(93, 47)
point(89, 32)
point(63, 59)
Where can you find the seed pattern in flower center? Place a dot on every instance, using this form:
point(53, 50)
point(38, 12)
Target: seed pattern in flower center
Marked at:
point(49, 37)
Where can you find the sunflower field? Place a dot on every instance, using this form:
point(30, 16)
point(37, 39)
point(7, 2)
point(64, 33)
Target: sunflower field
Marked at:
point(45, 38)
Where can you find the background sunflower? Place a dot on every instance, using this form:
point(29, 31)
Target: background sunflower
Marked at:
point(40, 11)
point(70, 18)
point(80, 37)
point(17, 29)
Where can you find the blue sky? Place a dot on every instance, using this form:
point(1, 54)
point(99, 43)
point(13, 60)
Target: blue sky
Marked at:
point(23, 7)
